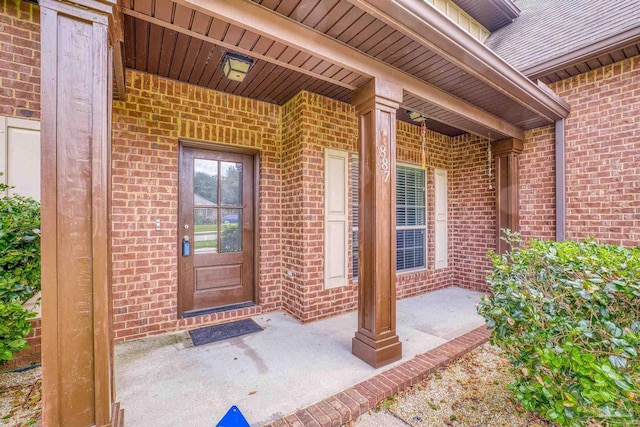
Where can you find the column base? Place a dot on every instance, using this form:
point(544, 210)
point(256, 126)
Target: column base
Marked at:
point(377, 353)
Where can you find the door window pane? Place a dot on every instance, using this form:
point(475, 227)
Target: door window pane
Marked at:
point(205, 230)
point(230, 184)
point(205, 182)
point(231, 231)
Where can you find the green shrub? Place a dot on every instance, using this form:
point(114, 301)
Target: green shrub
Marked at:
point(19, 269)
point(567, 316)
point(14, 327)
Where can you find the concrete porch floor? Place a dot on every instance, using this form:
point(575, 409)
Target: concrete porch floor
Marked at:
point(164, 381)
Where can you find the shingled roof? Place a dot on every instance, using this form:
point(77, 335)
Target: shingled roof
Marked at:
point(550, 29)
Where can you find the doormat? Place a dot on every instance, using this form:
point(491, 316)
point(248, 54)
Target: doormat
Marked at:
point(222, 332)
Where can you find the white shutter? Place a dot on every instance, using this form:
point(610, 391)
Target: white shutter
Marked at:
point(336, 215)
point(20, 156)
point(441, 213)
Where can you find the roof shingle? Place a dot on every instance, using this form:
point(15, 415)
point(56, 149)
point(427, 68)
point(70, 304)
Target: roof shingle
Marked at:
point(548, 29)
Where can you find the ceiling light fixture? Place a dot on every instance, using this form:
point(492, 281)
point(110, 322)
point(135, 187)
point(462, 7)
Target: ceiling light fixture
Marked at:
point(236, 67)
point(416, 117)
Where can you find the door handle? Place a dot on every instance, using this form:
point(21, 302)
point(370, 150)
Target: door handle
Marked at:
point(186, 246)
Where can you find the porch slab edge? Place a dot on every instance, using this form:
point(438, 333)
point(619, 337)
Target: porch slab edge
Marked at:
point(355, 401)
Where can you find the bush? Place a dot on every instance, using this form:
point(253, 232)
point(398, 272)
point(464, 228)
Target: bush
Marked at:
point(567, 316)
point(19, 269)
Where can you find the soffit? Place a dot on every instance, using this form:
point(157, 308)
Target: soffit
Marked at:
point(492, 14)
point(349, 24)
point(175, 41)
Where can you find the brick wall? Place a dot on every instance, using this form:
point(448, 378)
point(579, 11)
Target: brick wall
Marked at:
point(473, 211)
point(537, 184)
point(439, 156)
point(20, 97)
point(311, 124)
point(19, 59)
point(603, 165)
point(324, 123)
point(145, 154)
point(146, 130)
point(603, 153)
point(292, 199)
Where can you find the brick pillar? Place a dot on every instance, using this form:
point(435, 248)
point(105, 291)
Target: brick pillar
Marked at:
point(76, 260)
point(376, 341)
point(506, 153)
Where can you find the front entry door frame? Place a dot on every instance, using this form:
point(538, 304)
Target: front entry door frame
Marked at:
point(190, 143)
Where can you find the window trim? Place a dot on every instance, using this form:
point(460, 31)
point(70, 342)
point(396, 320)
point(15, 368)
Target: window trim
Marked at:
point(424, 227)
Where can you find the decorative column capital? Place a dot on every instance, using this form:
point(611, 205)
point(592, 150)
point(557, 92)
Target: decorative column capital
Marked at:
point(103, 12)
point(376, 91)
point(507, 146)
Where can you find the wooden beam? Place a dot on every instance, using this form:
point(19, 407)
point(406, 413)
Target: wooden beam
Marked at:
point(422, 22)
point(233, 47)
point(253, 17)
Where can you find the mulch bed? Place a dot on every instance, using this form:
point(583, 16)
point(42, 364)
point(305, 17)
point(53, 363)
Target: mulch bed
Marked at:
point(20, 397)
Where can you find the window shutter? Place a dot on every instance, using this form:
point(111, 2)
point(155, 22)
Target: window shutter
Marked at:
point(336, 216)
point(20, 156)
point(441, 213)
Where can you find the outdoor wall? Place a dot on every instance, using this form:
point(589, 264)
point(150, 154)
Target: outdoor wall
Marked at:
point(603, 153)
point(312, 123)
point(603, 160)
point(440, 155)
point(603, 166)
point(473, 211)
point(20, 97)
point(19, 59)
point(321, 123)
point(146, 129)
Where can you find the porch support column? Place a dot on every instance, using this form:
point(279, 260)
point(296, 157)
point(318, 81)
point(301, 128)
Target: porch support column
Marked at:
point(506, 153)
point(76, 259)
point(376, 341)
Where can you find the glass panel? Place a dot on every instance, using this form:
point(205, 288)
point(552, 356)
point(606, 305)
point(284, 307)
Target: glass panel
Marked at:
point(356, 264)
point(205, 182)
point(355, 212)
point(230, 184)
point(231, 231)
point(205, 230)
point(410, 197)
point(410, 246)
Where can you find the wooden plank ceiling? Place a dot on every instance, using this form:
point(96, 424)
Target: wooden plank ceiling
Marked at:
point(171, 40)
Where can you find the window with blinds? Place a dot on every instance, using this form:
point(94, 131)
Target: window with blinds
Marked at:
point(411, 217)
point(354, 197)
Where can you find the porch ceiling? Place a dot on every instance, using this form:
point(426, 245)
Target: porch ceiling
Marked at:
point(174, 40)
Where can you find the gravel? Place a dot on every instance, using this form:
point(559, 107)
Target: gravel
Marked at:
point(470, 392)
point(20, 397)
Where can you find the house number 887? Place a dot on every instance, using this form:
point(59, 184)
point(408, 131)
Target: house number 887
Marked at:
point(384, 162)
